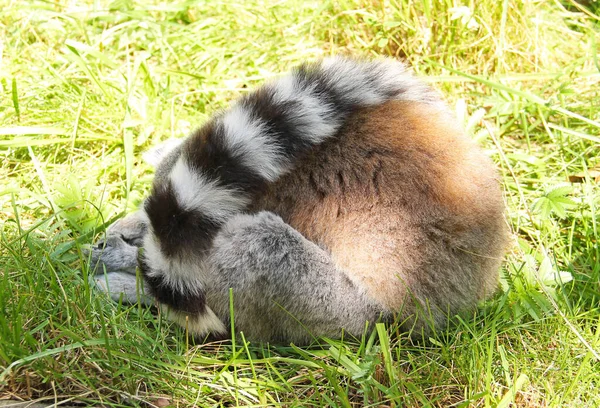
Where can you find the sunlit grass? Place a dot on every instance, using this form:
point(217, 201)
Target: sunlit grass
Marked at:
point(85, 88)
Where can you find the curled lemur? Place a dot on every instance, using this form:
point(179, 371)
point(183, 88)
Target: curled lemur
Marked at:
point(340, 194)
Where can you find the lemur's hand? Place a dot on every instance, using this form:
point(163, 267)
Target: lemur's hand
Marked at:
point(113, 260)
point(119, 250)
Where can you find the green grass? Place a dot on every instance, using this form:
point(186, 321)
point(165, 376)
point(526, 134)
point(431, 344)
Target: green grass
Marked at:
point(86, 88)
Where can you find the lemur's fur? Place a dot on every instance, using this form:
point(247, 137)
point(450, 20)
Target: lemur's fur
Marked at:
point(340, 194)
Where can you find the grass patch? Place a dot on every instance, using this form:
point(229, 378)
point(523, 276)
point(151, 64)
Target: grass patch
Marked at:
point(87, 87)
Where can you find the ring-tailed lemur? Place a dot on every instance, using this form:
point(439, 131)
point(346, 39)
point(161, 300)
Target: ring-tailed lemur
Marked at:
point(340, 194)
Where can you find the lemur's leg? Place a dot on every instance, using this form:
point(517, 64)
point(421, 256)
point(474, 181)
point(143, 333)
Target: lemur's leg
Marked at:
point(220, 169)
point(284, 286)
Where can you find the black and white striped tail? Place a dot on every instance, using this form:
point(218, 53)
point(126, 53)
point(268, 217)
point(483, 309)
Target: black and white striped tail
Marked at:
point(232, 158)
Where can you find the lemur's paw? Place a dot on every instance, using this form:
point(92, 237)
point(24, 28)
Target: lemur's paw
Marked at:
point(131, 229)
point(112, 254)
point(121, 287)
point(118, 250)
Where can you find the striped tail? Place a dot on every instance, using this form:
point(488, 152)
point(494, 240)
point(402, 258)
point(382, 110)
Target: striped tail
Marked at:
point(226, 163)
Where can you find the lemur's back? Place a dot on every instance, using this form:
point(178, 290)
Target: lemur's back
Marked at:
point(403, 202)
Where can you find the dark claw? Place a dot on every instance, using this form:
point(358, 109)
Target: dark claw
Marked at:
point(100, 244)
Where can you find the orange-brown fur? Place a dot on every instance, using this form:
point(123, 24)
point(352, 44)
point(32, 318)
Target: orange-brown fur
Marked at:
point(401, 200)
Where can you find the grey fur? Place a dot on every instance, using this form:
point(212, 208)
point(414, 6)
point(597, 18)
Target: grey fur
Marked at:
point(164, 159)
point(114, 254)
point(118, 251)
point(285, 287)
point(121, 286)
point(157, 154)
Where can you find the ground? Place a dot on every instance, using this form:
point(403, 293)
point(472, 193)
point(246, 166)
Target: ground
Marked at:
point(87, 86)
